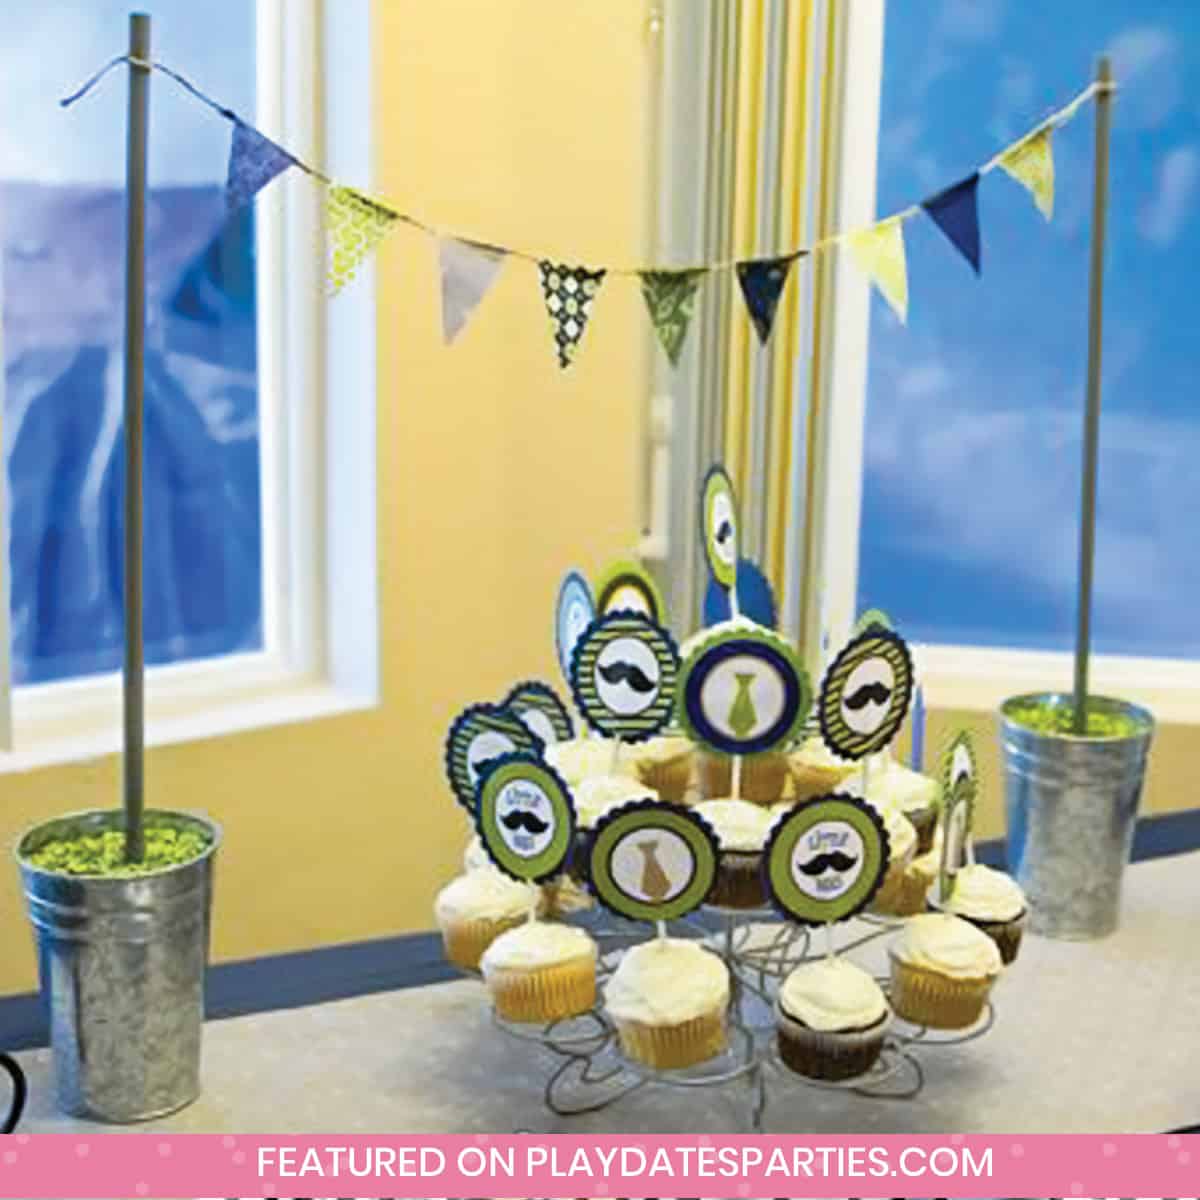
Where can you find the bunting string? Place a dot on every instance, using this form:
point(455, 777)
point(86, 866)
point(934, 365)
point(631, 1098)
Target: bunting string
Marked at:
point(469, 265)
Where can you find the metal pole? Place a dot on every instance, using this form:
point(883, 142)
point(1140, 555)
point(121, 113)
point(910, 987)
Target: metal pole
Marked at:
point(135, 367)
point(1091, 427)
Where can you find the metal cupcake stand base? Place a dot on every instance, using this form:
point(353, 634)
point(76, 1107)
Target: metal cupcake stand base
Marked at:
point(593, 1074)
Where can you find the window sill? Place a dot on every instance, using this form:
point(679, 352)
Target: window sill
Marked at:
point(75, 722)
point(971, 679)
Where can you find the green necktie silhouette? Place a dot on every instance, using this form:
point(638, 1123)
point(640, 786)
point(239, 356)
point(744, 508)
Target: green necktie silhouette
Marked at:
point(655, 882)
point(742, 717)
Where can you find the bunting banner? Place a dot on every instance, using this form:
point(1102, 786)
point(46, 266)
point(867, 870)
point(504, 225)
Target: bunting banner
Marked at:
point(670, 299)
point(468, 270)
point(469, 266)
point(879, 253)
point(955, 212)
point(1031, 164)
point(254, 160)
point(355, 225)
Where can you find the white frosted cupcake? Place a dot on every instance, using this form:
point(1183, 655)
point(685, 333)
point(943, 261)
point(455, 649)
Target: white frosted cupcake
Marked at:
point(540, 972)
point(665, 764)
point(742, 829)
point(594, 798)
point(943, 969)
point(584, 758)
point(831, 1018)
point(991, 900)
point(816, 770)
point(474, 909)
point(668, 999)
point(893, 897)
point(892, 785)
point(561, 896)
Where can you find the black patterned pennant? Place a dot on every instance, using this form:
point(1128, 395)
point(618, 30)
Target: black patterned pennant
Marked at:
point(569, 293)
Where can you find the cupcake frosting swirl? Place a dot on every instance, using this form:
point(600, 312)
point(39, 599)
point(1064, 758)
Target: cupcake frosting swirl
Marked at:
point(895, 786)
point(600, 793)
point(487, 894)
point(583, 758)
point(832, 996)
point(948, 945)
point(537, 944)
point(739, 825)
point(667, 981)
point(982, 894)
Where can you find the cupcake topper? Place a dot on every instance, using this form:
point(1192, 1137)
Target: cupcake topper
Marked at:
point(872, 618)
point(478, 736)
point(755, 596)
point(539, 709)
point(825, 861)
point(525, 817)
point(719, 530)
point(627, 586)
point(575, 611)
point(652, 862)
point(623, 676)
point(960, 787)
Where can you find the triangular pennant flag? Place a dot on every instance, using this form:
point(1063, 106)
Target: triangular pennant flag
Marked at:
point(569, 293)
point(355, 225)
point(879, 254)
point(1031, 164)
point(670, 298)
point(468, 270)
point(762, 281)
point(254, 160)
point(955, 212)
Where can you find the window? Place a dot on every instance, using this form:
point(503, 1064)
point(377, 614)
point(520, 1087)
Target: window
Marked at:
point(243, 471)
point(971, 458)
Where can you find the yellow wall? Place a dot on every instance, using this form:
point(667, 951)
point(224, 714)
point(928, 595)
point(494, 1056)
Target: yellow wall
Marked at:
point(522, 122)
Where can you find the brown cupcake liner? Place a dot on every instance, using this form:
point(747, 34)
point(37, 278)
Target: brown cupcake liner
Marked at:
point(739, 882)
point(544, 994)
point(936, 1001)
point(831, 1056)
point(672, 1047)
point(764, 777)
point(465, 940)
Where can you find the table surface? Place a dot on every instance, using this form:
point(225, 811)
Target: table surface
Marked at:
point(1092, 1037)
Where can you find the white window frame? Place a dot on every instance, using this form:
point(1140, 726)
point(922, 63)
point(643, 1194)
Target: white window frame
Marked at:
point(970, 678)
point(317, 386)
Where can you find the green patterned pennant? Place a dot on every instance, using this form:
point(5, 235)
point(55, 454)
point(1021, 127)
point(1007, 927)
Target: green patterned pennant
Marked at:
point(670, 299)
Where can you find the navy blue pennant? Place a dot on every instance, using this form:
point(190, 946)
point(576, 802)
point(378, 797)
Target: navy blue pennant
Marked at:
point(254, 160)
point(762, 281)
point(955, 212)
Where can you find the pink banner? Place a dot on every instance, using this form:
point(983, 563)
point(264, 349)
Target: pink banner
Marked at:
point(152, 1165)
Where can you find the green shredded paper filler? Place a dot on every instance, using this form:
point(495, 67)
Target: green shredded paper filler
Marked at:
point(104, 853)
point(1060, 718)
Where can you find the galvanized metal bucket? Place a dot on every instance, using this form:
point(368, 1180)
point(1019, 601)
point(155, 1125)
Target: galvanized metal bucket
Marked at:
point(122, 966)
point(1072, 806)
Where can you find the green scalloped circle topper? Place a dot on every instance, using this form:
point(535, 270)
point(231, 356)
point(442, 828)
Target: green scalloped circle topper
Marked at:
point(525, 818)
point(719, 526)
point(627, 586)
point(826, 859)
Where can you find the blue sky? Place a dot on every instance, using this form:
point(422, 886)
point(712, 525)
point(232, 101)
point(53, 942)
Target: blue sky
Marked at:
point(51, 46)
point(974, 410)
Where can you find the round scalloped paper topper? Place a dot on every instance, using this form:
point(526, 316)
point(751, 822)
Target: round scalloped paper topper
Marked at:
point(960, 784)
point(826, 860)
point(525, 817)
point(756, 599)
point(628, 587)
point(959, 764)
point(743, 691)
point(870, 619)
point(652, 862)
point(478, 736)
point(540, 710)
point(866, 693)
point(719, 526)
point(623, 676)
point(575, 611)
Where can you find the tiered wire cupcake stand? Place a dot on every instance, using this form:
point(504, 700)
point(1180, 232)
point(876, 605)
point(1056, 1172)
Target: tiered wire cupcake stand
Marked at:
point(590, 1073)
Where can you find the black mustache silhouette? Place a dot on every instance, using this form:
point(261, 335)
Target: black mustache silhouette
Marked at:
point(528, 821)
point(630, 673)
point(835, 861)
point(866, 694)
point(724, 532)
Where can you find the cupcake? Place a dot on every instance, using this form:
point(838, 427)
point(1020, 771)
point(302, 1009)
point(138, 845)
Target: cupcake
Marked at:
point(915, 795)
point(741, 829)
point(594, 797)
point(893, 897)
point(919, 877)
point(991, 901)
point(668, 999)
point(942, 971)
point(665, 764)
point(816, 770)
point(539, 972)
point(474, 909)
point(585, 758)
point(831, 1018)
point(561, 896)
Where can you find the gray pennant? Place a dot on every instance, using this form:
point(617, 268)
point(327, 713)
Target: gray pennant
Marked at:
point(468, 271)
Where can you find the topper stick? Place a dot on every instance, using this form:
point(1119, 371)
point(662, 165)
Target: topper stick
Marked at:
point(734, 610)
point(661, 927)
point(735, 778)
point(867, 777)
point(916, 755)
point(1091, 424)
point(614, 766)
point(829, 950)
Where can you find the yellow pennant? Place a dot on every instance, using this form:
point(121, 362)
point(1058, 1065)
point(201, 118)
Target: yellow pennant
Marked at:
point(1031, 164)
point(354, 226)
point(879, 254)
